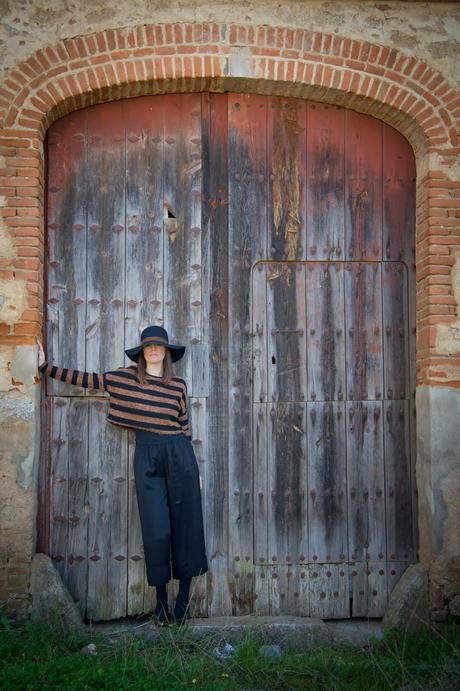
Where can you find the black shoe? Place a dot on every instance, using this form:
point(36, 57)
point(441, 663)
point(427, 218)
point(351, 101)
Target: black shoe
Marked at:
point(161, 617)
point(179, 616)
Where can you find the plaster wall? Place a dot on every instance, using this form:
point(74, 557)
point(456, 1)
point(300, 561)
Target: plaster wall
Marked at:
point(431, 30)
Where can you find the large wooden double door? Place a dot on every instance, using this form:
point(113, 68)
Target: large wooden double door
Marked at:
point(275, 238)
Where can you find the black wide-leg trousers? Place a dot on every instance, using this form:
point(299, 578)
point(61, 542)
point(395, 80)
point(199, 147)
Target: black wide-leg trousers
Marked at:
point(169, 499)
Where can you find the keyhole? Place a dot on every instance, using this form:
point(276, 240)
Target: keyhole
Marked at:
point(273, 360)
point(170, 214)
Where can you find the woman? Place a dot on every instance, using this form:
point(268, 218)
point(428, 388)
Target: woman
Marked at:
point(151, 400)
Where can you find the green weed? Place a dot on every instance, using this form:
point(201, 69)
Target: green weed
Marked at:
point(33, 656)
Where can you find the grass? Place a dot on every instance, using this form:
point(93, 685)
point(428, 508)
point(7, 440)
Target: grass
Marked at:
point(33, 656)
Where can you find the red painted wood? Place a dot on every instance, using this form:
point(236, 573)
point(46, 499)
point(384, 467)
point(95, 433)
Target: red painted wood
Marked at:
point(325, 178)
point(286, 162)
point(363, 187)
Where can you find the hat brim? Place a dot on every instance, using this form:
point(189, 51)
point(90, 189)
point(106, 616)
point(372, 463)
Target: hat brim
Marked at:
point(176, 351)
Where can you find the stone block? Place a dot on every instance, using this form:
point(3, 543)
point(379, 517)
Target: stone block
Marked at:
point(51, 601)
point(408, 605)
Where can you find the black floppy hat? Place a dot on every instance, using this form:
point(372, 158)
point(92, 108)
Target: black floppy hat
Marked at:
point(158, 335)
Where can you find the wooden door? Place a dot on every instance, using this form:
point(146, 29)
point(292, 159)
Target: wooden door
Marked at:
point(274, 237)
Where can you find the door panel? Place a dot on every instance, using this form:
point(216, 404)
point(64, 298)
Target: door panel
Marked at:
point(275, 238)
point(286, 329)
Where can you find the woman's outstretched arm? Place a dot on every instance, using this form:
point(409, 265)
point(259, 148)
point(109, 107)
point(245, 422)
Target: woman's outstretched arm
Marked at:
point(87, 380)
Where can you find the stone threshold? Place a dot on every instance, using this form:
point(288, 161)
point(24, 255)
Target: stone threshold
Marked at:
point(296, 634)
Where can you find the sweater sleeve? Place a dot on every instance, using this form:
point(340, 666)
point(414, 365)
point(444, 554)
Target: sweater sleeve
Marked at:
point(87, 380)
point(183, 414)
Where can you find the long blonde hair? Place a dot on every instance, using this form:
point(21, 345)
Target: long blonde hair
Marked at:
point(168, 371)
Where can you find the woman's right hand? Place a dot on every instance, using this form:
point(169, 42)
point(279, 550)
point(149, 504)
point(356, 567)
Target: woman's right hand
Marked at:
point(41, 353)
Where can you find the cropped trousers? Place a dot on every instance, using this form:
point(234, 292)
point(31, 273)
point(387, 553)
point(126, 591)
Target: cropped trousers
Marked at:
point(169, 499)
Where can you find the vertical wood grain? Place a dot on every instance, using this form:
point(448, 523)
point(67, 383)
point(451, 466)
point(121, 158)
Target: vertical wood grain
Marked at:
point(286, 331)
point(325, 181)
point(247, 120)
point(143, 118)
point(325, 330)
point(67, 254)
point(182, 183)
point(215, 272)
point(286, 154)
point(363, 187)
point(108, 517)
point(105, 267)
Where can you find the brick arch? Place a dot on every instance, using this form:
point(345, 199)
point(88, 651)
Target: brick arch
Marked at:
point(398, 89)
point(113, 64)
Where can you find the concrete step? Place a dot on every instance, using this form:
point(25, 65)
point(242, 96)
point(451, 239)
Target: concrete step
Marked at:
point(296, 634)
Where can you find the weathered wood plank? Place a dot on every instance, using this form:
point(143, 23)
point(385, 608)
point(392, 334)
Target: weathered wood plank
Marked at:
point(105, 267)
point(363, 322)
point(143, 118)
point(261, 491)
point(398, 494)
point(286, 331)
point(260, 335)
point(108, 517)
point(327, 482)
point(261, 588)
point(369, 589)
point(66, 261)
point(302, 584)
point(182, 223)
point(78, 506)
point(396, 330)
point(325, 177)
point(365, 480)
point(59, 517)
point(278, 593)
point(199, 354)
point(198, 422)
point(286, 154)
point(215, 332)
point(399, 245)
point(325, 330)
point(247, 236)
point(363, 186)
point(329, 591)
point(285, 588)
point(287, 483)
point(398, 197)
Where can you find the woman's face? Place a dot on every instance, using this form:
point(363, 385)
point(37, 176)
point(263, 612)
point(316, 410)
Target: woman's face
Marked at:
point(154, 353)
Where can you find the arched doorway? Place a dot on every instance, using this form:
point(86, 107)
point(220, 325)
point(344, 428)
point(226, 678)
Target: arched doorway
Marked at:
point(275, 238)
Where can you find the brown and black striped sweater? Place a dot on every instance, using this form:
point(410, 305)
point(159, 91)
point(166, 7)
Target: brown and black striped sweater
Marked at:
point(156, 407)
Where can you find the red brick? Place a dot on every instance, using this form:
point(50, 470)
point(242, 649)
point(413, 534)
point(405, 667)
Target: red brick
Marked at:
point(28, 328)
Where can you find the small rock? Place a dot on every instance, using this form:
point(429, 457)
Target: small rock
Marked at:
point(270, 652)
point(225, 652)
point(89, 649)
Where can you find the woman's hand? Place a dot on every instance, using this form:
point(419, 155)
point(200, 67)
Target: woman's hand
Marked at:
point(41, 353)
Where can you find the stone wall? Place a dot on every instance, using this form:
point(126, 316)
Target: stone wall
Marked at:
point(394, 60)
point(429, 30)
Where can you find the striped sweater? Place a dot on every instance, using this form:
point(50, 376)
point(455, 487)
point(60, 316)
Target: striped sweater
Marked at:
point(156, 407)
